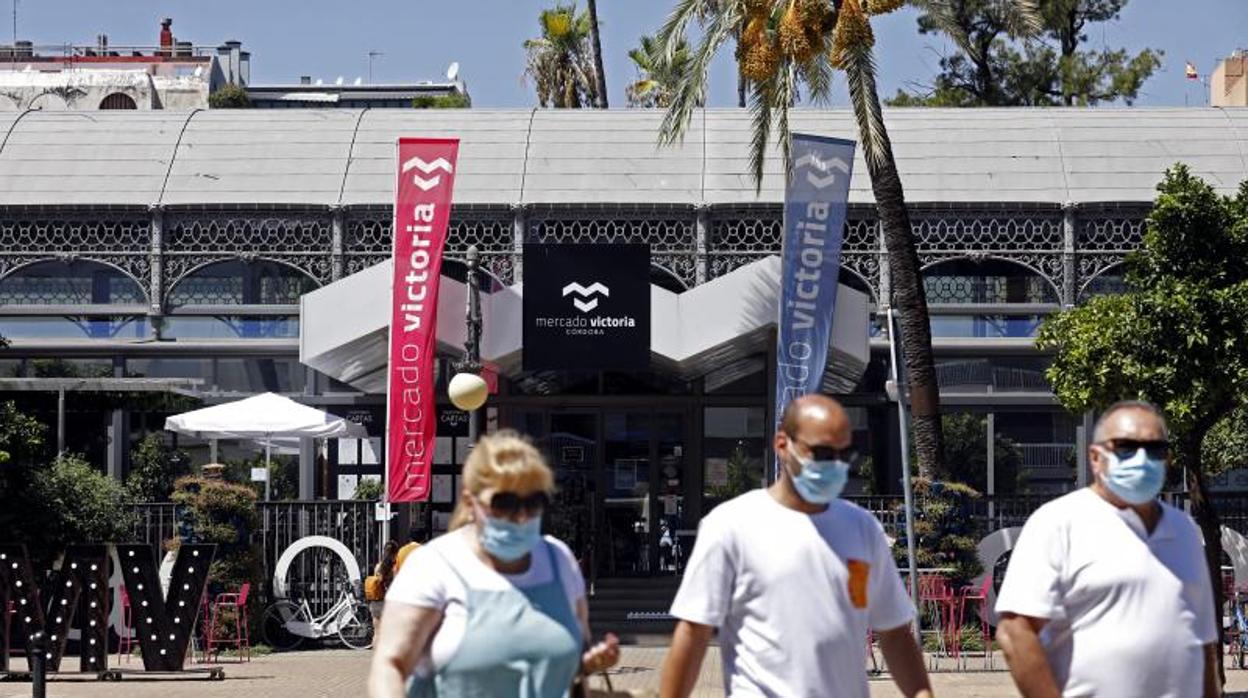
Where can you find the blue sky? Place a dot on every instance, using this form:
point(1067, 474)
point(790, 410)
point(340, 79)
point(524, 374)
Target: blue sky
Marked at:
point(331, 38)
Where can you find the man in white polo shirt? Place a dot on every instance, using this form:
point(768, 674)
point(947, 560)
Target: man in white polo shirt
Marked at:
point(794, 577)
point(1107, 592)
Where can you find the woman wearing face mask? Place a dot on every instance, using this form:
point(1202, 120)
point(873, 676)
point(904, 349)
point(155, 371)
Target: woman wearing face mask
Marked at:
point(492, 608)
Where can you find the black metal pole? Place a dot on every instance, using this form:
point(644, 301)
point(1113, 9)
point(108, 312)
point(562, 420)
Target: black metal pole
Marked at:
point(39, 664)
point(472, 343)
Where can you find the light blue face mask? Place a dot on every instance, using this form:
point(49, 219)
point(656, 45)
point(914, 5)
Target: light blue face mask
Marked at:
point(1136, 480)
point(509, 541)
point(819, 481)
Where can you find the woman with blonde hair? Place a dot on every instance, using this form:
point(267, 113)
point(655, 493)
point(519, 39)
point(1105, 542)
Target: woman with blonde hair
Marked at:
point(492, 608)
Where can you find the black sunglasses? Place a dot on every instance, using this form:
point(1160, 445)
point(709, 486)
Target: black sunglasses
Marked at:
point(823, 452)
point(508, 504)
point(1126, 448)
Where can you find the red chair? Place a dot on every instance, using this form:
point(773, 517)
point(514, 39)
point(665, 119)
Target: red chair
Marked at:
point(125, 642)
point(230, 606)
point(936, 596)
point(977, 597)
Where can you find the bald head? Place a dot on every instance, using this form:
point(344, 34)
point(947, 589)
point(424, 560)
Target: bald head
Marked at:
point(814, 420)
point(1130, 419)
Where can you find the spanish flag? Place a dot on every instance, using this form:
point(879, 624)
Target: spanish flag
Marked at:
point(1190, 71)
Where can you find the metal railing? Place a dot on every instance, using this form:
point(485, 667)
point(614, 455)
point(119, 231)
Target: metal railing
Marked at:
point(155, 523)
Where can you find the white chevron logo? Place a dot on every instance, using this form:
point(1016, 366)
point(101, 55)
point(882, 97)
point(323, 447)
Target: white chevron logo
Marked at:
point(814, 162)
point(587, 292)
point(427, 167)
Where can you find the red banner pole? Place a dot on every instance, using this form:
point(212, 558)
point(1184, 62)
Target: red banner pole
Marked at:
point(422, 211)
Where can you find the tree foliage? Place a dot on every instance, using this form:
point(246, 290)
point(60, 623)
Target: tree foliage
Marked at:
point(996, 61)
point(658, 77)
point(966, 454)
point(154, 467)
point(229, 97)
point(560, 61)
point(369, 490)
point(455, 100)
point(65, 503)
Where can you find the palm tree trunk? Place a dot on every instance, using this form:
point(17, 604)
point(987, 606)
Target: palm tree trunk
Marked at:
point(910, 300)
point(1210, 524)
point(600, 76)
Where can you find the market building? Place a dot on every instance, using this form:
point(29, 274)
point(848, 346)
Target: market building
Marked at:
point(236, 252)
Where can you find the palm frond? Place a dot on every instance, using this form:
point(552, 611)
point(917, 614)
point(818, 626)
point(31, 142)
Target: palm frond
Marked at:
point(784, 97)
point(858, 62)
point(677, 24)
point(761, 99)
point(818, 73)
point(1022, 18)
point(692, 83)
point(944, 15)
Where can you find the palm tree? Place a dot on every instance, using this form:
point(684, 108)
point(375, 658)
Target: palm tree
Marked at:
point(600, 76)
point(784, 43)
point(658, 77)
point(559, 60)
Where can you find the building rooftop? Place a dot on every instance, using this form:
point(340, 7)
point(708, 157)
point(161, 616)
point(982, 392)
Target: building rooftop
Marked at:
point(331, 157)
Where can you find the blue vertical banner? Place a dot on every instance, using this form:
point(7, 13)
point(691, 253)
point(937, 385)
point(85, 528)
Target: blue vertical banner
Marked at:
point(816, 200)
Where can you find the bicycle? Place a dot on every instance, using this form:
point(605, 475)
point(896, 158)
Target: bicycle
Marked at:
point(287, 624)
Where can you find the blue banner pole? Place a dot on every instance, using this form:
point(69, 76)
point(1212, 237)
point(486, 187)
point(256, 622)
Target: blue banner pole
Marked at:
point(816, 202)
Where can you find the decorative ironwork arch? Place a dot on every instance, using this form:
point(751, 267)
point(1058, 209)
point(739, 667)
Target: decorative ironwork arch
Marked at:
point(1102, 276)
point(22, 269)
point(1052, 290)
point(190, 274)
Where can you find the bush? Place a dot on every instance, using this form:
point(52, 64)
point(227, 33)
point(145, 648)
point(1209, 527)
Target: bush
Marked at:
point(154, 467)
point(283, 476)
point(66, 503)
point(946, 530)
point(456, 100)
point(222, 513)
point(369, 490)
point(229, 97)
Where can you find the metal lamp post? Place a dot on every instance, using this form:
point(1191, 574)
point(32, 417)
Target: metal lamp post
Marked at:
point(469, 368)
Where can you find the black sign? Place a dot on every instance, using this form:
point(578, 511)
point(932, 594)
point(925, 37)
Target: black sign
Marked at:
point(586, 307)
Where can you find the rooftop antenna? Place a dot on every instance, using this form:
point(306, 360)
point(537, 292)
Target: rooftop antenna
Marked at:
point(371, 56)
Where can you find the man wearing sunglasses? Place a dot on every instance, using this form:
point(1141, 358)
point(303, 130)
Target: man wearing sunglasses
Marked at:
point(1107, 592)
point(794, 577)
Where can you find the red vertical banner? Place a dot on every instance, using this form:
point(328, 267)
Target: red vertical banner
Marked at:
point(422, 210)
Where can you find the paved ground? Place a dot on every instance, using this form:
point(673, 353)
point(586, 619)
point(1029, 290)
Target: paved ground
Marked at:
point(342, 673)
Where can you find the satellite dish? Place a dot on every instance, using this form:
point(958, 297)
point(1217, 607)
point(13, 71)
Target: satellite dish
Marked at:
point(320, 81)
point(338, 81)
point(452, 71)
point(358, 82)
point(199, 71)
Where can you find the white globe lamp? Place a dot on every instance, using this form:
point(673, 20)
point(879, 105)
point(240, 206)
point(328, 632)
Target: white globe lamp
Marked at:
point(468, 391)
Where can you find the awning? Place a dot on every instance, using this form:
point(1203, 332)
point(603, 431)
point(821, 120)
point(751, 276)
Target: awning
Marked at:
point(344, 327)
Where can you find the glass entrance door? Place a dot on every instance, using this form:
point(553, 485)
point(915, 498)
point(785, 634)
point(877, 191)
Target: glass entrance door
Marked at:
point(570, 442)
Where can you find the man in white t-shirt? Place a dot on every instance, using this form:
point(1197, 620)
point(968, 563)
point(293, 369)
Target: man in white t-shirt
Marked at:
point(1107, 592)
point(794, 578)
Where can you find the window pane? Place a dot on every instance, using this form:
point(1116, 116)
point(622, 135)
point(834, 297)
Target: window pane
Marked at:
point(735, 449)
point(77, 283)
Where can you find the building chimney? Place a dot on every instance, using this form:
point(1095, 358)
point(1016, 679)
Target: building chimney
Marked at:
point(166, 36)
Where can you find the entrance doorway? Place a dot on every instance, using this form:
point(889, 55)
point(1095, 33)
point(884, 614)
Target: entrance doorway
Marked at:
point(623, 484)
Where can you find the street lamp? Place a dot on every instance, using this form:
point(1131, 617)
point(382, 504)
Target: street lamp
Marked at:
point(467, 388)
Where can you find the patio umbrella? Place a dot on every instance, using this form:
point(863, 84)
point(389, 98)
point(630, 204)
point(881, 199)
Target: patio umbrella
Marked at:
point(267, 418)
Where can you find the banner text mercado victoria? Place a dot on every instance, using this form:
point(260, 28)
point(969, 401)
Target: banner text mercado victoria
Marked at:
point(422, 209)
point(815, 203)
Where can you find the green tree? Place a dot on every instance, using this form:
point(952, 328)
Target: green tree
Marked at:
point(1178, 337)
point(369, 490)
point(996, 61)
point(66, 502)
point(560, 61)
point(657, 75)
point(455, 100)
point(966, 457)
point(782, 45)
point(154, 467)
point(224, 514)
point(229, 97)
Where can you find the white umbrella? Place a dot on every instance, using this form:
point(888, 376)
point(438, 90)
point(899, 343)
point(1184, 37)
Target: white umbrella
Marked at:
point(268, 418)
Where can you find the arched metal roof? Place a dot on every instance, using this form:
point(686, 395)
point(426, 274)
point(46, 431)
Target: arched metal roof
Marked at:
point(330, 157)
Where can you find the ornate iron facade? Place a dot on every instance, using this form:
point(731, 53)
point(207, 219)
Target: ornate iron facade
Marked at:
point(1073, 250)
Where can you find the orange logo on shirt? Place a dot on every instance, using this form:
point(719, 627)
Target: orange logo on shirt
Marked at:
point(858, 582)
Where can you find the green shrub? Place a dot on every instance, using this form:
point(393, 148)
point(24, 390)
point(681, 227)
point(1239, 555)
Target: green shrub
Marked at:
point(66, 503)
point(154, 467)
point(455, 100)
point(946, 530)
point(229, 97)
point(369, 490)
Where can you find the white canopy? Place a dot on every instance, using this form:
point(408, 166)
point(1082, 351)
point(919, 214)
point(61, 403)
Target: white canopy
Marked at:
point(262, 417)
